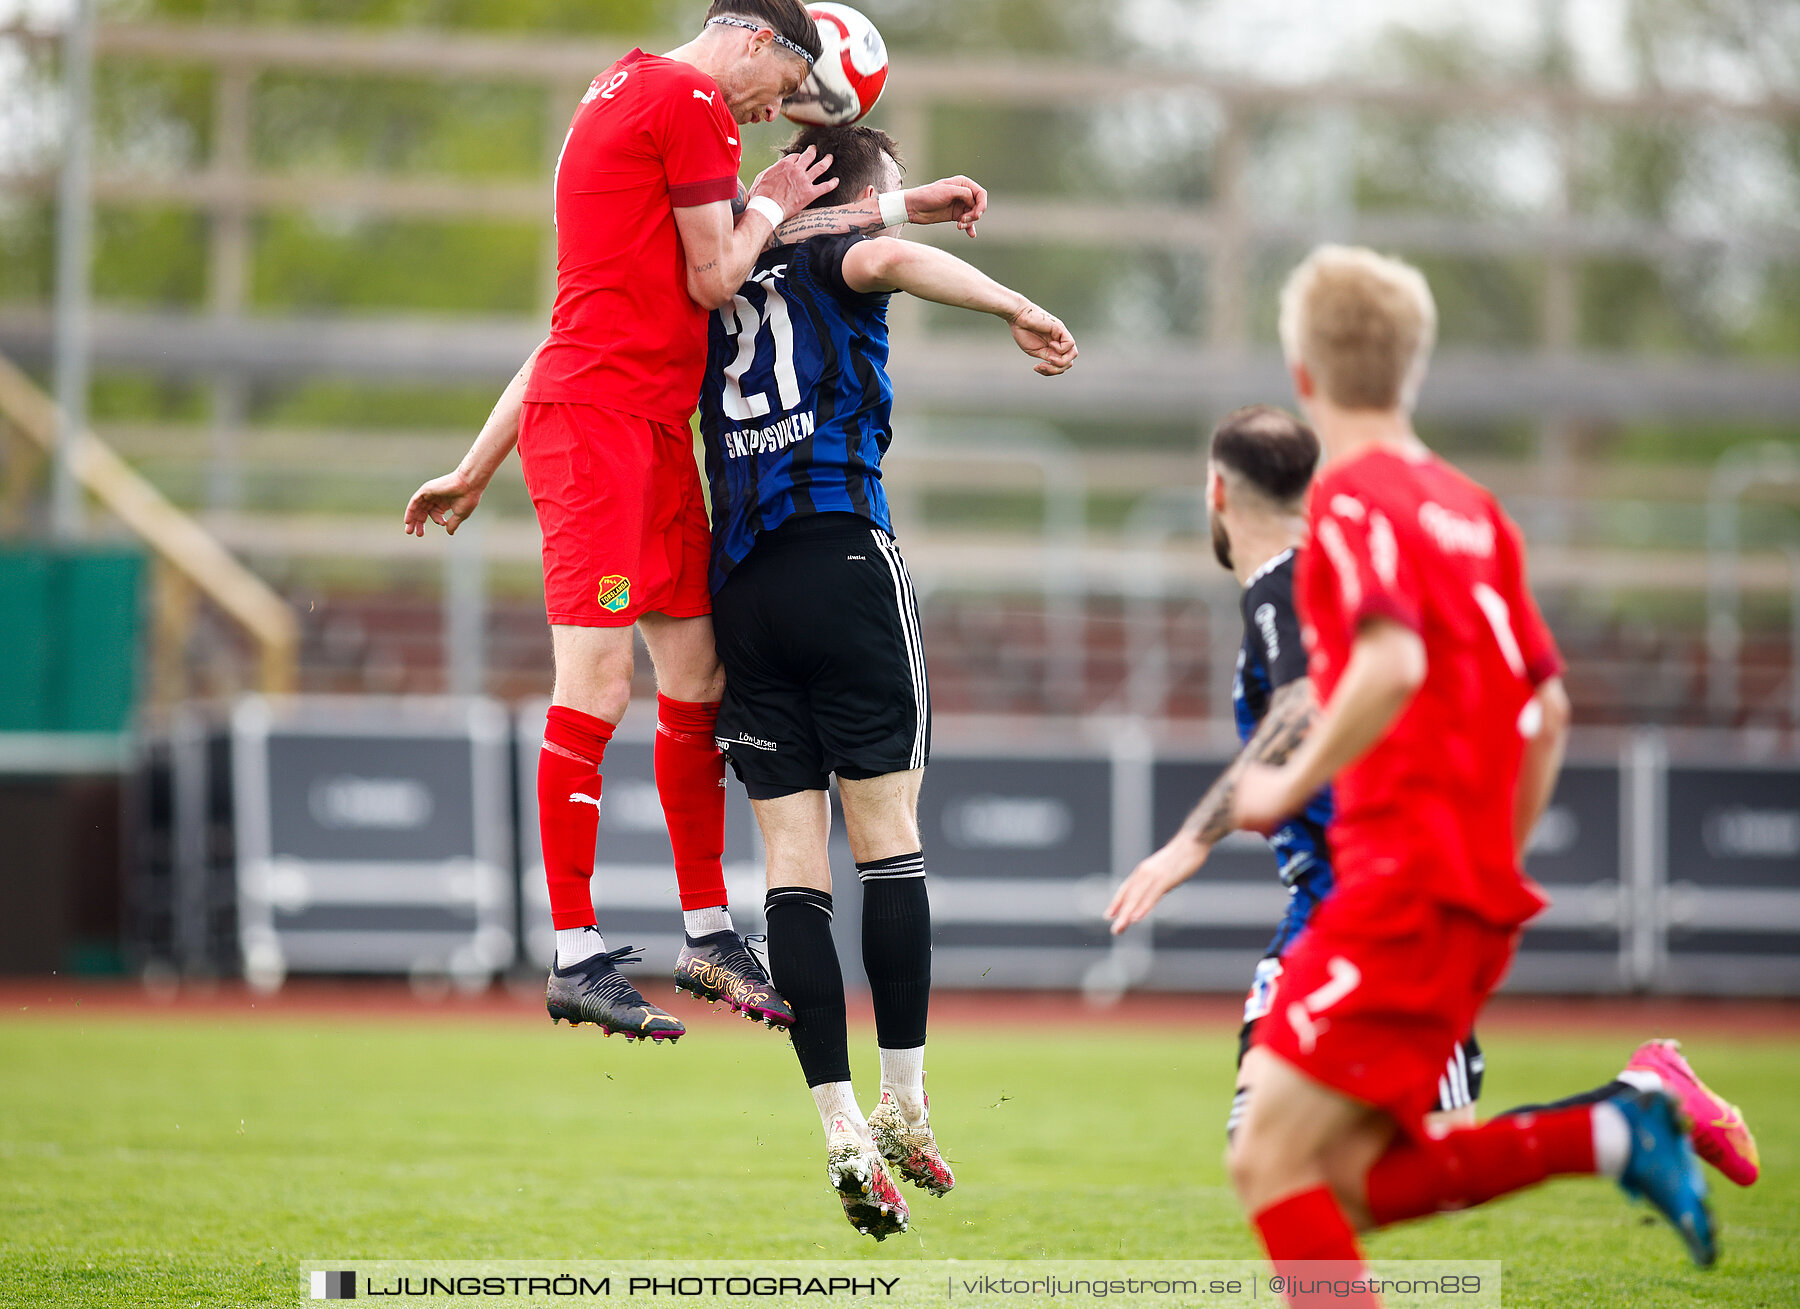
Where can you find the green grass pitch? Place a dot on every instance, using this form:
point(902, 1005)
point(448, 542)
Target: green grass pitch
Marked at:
point(171, 1160)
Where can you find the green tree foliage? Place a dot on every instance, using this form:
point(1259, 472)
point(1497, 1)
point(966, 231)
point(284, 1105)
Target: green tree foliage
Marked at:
point(307, 123)
point(150, 257)
point(362, 265)
point(516, 15)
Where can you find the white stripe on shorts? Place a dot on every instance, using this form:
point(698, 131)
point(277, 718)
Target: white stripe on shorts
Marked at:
point(915, 645)
point(1453, 1086)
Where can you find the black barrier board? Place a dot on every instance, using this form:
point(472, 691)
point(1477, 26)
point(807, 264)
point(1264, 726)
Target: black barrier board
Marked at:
point(1012, 816)
point(1574, 854)
point(1734, 826)
point(401, 798)
point(1733, 871)
point(1576, 841)
point(372, 835)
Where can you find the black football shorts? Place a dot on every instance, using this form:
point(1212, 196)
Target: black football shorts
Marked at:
point(818, 630)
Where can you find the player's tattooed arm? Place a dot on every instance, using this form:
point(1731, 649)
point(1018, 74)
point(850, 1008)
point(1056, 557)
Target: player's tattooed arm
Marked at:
point(862, 218)
point(1291, 713)
point(958, 200)
point(1386, 668)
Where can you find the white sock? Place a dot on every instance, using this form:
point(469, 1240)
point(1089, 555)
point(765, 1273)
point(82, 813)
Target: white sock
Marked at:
point(573, 944)
point(903, 1073)
point(1641, 1079)
point(1612, 1141)
point(704, 922)
point(834, 1098)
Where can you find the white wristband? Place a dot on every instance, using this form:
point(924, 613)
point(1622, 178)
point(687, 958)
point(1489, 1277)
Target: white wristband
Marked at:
point(761, 204)
point(893, 208)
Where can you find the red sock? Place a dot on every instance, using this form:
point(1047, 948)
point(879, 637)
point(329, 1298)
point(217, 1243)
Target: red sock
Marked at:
point(1310, 1228)
point(1472, 1165)
point(568, 784)
point(690, 778)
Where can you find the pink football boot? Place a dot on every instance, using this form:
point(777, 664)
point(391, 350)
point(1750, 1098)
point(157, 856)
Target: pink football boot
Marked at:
point(1719, 1132)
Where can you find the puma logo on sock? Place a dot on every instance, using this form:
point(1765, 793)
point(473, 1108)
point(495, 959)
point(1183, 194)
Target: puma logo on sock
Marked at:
point(576, 797)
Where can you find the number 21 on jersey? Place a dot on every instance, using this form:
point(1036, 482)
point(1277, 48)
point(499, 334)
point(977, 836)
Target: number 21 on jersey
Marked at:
point(745, 324)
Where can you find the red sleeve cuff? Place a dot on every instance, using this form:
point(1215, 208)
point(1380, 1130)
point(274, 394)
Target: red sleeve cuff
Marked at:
point(1390, 607)
point(688, 194)
point(1544, 667)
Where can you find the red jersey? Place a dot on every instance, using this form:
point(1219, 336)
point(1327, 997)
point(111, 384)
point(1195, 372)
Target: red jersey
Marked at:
point(652, 135)
point(1413, 540)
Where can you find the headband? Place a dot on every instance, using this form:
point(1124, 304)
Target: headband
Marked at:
point(754, 26)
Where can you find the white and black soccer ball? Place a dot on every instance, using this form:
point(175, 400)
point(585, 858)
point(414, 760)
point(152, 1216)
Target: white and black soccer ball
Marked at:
point(852, 69)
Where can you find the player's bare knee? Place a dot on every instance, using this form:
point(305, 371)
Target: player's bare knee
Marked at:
point(594, 667)
point(796, 832)
point(685, 657)
point(1258, 1165)
point(697, 682)
point(881, 814)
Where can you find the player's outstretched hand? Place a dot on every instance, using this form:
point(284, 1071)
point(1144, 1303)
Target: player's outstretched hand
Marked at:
point(1151, 880)
point(447, 501)
point(792, 180)
point(1041, 335)
point(958, 200)
point(1264, 797)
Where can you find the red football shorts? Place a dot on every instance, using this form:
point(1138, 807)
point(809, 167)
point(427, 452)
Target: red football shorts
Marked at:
point(624, 521)
point(1376, 993)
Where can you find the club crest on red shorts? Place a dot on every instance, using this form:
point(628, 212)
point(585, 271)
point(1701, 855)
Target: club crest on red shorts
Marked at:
point(615, 592)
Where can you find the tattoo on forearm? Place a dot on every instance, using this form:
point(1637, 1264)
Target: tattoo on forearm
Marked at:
point(707, 267)
point(838, 220)
point(1292, 711)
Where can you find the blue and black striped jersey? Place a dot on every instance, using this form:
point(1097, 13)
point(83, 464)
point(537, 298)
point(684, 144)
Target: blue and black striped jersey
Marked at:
point(1272, 656)
point(796, 406)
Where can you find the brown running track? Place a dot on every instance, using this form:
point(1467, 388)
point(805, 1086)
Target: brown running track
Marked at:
point(388, 1000)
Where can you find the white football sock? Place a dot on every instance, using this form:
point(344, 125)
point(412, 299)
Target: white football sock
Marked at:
point(903, 1073)
point(573, 944)
point(1641, 1079)
point(835, 1098)
point(704, 922)
point(1612, 1140)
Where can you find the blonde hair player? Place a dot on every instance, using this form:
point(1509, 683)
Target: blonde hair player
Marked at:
point(1442, 728)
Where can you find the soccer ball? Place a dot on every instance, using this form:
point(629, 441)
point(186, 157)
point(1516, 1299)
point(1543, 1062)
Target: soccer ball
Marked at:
point(852, 69)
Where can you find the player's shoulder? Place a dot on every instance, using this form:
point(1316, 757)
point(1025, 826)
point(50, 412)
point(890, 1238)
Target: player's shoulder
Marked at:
point(672, 78)
point(819, 261)
point(1396, 484)
point(1348, 489)
point(1273, 583)
point(1268, 598)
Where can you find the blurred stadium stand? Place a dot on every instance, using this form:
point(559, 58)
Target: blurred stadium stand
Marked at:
point(1052, 526)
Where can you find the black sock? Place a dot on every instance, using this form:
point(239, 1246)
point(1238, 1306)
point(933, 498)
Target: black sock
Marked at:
point(1594, 1096)
point(803, 964)
point(896, 946)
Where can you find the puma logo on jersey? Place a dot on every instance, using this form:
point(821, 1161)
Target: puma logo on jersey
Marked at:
point(576, 797)
point(703, 95)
